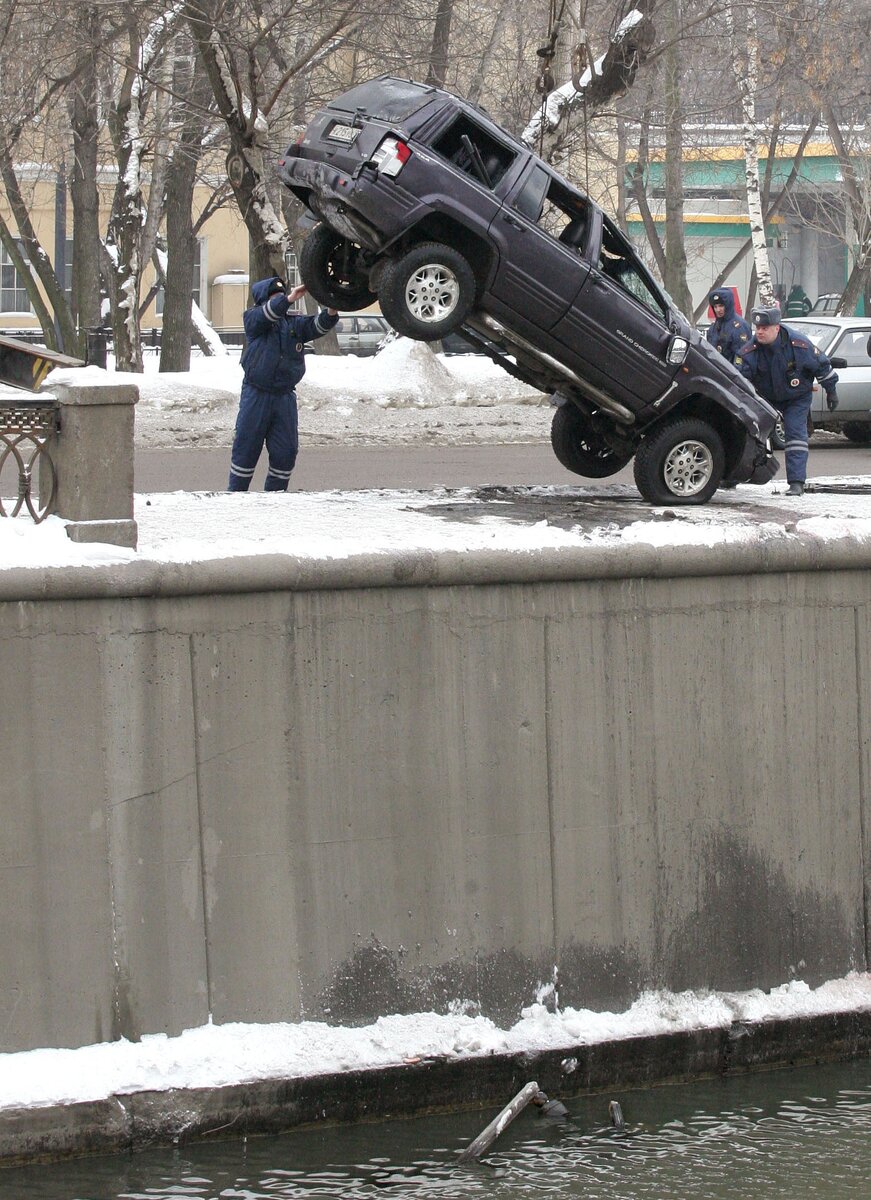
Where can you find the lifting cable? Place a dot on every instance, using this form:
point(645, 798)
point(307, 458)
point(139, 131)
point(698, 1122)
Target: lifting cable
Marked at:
point(580, 60)
point(545, 82)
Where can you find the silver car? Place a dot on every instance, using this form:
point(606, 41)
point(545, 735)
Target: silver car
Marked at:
point(361, 333)
point(846, 341)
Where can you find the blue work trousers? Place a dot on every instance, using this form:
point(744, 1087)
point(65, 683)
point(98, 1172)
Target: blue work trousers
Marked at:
point(264, 417)
point(795, 414)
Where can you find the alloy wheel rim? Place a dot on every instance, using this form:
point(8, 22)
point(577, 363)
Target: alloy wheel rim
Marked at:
point(432, 293)
point(688, 468)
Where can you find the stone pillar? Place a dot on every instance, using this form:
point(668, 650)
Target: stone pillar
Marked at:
point(93, 455)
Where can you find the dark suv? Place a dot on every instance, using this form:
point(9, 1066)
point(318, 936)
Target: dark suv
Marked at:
point(427, 205)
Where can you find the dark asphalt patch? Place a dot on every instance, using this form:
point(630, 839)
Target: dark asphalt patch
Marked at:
point(565, 508)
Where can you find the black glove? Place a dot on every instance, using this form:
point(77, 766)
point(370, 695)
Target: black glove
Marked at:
point(832, 399)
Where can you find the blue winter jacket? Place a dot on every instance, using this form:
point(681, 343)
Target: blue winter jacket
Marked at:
point(729, 332)
point(273, 359)
point(794, 365)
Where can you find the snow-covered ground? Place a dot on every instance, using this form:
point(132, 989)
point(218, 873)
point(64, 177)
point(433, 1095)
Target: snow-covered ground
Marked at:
point(405, 394)
point(217, 1055)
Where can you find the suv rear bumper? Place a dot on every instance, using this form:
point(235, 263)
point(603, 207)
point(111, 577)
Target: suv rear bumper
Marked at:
point(361, 207)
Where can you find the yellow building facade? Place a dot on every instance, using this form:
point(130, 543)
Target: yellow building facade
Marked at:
point(220, 278)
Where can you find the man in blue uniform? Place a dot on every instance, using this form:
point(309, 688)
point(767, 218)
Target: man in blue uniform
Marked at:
point(273, 363)
point(728, 332)
point(782, 366)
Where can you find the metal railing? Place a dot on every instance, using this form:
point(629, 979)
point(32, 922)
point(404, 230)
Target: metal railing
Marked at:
point(25, 429)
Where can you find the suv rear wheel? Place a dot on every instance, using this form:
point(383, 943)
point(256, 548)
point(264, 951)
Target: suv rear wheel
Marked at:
point(681, 463)
point(578, 447)
point(427, 292)
point(332, 269)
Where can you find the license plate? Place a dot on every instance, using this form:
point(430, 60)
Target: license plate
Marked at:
point(343, 133)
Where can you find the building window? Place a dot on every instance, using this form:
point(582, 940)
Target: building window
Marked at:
point(13, 293)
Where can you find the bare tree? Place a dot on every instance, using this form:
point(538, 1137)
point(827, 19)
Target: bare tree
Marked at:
point(123, 251)
point(601, 81)
point(227, 42)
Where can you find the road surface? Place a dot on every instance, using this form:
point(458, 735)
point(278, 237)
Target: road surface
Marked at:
point(322, 468)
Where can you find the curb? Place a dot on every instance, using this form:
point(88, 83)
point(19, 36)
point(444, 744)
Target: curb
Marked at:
point(272, 572)
point(139, 1120)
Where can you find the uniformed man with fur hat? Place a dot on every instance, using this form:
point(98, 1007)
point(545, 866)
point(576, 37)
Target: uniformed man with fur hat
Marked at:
point(783, 366)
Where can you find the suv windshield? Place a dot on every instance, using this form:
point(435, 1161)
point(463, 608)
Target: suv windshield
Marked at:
point(385, 99)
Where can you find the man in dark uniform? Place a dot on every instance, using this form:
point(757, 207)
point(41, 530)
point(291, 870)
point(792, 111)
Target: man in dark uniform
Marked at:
point(727, 332)
point(782, 366)
point(273, 363)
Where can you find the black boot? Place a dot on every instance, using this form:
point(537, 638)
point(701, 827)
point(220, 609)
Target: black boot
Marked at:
point(795, 489)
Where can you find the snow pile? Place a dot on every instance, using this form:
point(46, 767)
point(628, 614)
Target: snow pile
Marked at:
point(218, 1055)
point(404, 374)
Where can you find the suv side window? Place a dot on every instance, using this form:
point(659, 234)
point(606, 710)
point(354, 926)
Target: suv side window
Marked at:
point(557, 211)
point(617, 261)
point(474, 151)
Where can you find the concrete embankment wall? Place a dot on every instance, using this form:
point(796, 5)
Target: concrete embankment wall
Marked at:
point(273, 793)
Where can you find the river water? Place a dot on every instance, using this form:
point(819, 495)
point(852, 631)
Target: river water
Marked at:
point(793, 1134)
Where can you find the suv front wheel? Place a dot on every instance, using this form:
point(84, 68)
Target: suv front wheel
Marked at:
point(680, 463)
point(332, 269)
point(579, 449)
point(427, 292)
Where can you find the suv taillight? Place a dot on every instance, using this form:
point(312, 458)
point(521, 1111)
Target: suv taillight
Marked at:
point(391, 156)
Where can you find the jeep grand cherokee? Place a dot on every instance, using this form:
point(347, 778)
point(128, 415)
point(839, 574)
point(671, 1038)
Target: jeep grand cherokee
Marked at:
point(428, 206)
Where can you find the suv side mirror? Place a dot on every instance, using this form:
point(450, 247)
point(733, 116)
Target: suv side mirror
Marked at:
point(838, 363)
point(678, 349)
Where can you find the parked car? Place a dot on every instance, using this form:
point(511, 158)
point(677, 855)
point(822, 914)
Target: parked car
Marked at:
point(846, 341)
point(825, 305)
point(361, 333)
point(429, 206)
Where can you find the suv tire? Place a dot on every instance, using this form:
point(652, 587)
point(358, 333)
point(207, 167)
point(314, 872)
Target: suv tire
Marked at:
point(427, 292)
point(680, 463)
point(578, 448)
point(858, 432)
point(778, 434)
point(332, 269)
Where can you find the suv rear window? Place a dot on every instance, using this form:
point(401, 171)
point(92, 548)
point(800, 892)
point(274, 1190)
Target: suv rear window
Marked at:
point(474, 150)
point(385, 99)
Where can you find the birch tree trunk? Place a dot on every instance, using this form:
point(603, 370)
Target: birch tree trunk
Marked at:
point(745, 65)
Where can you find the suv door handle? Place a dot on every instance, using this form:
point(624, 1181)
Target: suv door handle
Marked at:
point(513, 221)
